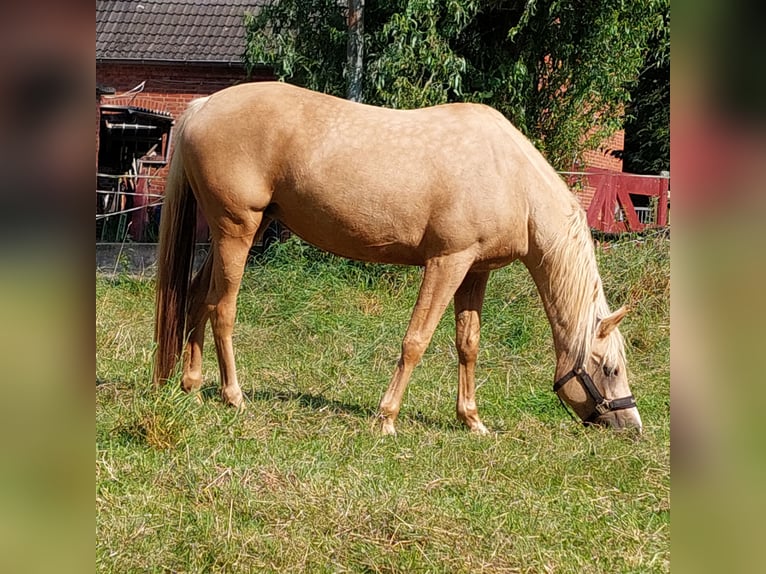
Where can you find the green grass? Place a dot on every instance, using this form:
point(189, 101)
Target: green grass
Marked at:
point(300, 482)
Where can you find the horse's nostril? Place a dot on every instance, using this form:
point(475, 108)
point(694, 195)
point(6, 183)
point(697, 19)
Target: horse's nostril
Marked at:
point(629, 420)
point(623, 420)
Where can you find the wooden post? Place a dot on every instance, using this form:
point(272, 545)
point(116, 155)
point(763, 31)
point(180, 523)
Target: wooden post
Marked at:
point(662, 202)
point(355, 53)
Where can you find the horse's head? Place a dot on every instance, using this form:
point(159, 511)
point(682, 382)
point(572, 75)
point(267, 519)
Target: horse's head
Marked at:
point(598, 389)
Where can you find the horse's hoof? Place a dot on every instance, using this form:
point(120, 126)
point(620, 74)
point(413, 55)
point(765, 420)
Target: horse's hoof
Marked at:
point(235, 400)
point(479, 429)
point(387, 427)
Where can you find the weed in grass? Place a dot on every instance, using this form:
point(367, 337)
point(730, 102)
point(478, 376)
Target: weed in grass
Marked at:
point(160, 419)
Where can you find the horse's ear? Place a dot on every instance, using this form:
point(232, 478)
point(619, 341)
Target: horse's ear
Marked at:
point(608, 324)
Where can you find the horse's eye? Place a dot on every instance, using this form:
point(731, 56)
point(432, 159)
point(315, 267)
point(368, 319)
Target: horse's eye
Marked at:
point(611, 372)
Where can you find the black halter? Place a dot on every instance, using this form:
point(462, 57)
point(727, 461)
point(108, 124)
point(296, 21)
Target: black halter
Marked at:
point(603, 405)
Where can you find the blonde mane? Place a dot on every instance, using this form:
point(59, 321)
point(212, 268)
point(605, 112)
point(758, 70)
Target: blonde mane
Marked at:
point(575, 285)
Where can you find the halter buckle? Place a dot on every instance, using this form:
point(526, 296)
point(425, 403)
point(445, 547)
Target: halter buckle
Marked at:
point(603, 407)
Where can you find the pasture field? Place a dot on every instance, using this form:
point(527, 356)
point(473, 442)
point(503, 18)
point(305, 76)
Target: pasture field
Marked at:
point(299, 481)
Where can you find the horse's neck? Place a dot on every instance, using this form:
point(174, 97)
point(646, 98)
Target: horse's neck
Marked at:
point(561, 261)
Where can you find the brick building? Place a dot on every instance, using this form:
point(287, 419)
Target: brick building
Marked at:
point(600, 159)
point(152, 58)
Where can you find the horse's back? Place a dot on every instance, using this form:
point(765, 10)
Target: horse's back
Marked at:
point(364, 181)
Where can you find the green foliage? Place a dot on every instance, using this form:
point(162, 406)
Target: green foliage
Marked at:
point(304, 40)
point(561, 70)
point(413, 63)
point(647, 129)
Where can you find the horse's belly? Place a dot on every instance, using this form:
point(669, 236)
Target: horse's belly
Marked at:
point(362, 238)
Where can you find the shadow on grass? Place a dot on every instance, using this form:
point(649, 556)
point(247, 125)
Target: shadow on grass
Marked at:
point(311, 401)
point(319, 402)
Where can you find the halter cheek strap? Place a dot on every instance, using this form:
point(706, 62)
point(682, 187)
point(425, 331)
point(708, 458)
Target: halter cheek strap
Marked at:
point(603, 405)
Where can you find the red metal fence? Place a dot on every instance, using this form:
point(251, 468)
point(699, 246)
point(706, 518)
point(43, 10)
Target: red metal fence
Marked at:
point(624, 202)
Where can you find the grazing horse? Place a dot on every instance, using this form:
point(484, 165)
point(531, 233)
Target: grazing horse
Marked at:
point(454, 188)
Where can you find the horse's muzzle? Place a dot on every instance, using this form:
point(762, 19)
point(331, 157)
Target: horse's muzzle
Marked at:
point(622, 419)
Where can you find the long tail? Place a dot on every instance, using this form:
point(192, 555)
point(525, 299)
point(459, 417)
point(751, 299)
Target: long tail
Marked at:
point(175, 254)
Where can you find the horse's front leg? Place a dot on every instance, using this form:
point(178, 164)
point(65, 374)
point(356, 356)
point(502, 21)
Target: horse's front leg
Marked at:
point(441, 278)
point(468, 302)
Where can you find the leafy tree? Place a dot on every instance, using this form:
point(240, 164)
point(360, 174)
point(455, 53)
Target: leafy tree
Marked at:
point(304, 40)
point(647, 129)
point(561, 70)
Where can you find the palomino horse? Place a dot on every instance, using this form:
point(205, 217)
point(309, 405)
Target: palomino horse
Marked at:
point(455, 189)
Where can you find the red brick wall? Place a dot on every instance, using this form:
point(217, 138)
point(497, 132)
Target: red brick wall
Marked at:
point(168, 88)
point(602, 159)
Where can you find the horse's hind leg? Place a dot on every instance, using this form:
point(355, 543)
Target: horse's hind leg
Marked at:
point(468, 302)
point(229, 257)
point(197, 319)
point(441, 278)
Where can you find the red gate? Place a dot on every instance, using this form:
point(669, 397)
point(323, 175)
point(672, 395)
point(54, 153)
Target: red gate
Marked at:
point(611, 209)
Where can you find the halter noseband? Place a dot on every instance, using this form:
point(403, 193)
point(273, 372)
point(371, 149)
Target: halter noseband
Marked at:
point(603, 405)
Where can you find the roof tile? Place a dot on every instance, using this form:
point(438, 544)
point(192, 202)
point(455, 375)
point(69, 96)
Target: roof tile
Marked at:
point(172, 30)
